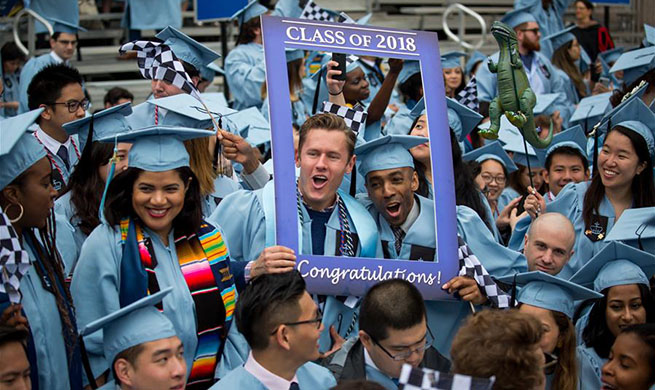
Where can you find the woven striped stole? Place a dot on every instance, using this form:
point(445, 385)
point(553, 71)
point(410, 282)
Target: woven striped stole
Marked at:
point(205, 264)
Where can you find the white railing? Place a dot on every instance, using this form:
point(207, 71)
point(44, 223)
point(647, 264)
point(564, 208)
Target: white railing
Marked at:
point(462, 10)
point(31, 35)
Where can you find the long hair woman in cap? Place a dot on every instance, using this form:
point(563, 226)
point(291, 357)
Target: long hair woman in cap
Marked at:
point(27, 197)
point(155, 237)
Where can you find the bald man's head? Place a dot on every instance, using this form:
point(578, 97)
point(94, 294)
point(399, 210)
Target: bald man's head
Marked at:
point(549, 243)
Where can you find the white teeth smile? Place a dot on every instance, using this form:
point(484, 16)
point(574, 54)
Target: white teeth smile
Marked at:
point(320, 178)
point(157, 212)
point(610, 173)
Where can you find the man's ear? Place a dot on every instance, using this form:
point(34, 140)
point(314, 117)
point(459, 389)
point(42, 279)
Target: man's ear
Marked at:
point(351, 164)
point(282, 337)
point(52, 43)
point(47, 113)
point(365, 339)
point(414, 181)
point(123, 371)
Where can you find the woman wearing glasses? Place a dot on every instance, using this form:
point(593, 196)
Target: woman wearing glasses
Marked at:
point(551, 300)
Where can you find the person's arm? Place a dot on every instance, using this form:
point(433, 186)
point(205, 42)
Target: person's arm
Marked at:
point(335, 87)
point(381, 100)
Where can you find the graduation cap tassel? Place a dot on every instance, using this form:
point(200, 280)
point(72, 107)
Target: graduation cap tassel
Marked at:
point(512, 302)
point(110, 176)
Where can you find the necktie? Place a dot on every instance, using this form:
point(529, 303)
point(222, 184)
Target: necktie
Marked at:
point(399, 235)
point(294, 386)
point(63, 154)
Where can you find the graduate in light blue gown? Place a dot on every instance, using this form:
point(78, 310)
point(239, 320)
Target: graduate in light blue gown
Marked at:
point(551, 300)
point(296, 72)
point(411, 92)
point(453, 74)
point(633, 126)
point(77, 212)
point(327, 214)
point(62, 43)
point(621, 273)
point(282, 325)
point(541, 74)
point(565, 48)
point(12, 60)
point(27, 197)
point(549, 15)
point(406, 224)
point(142, 330)
point(153, 234)
point(245, 69)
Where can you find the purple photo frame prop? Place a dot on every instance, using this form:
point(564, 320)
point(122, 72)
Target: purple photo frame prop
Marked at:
point(333, 275)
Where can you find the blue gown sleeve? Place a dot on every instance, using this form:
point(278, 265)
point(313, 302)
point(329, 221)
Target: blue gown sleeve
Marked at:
point(590, 367)
point(486, 81)
point(95, 287)
point(26, 75)
point(246, 72)
point(241, 217)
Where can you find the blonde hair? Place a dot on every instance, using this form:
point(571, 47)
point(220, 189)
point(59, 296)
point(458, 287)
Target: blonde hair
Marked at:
point(201, 164)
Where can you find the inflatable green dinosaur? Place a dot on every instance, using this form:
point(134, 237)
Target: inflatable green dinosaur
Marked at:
point(515, 98)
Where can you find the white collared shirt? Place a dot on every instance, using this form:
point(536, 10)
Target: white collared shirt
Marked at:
point(411, 217)
point(369, 361)
point(52, 144)
point(57, 59)
point(267, 378)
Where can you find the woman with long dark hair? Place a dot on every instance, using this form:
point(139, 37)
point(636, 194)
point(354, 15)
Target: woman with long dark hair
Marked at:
point(623, 179)
point(621, 274)
point(566, 53)
point(155, 237)
point(27, 197)
point(453, 74)
point(77, 211)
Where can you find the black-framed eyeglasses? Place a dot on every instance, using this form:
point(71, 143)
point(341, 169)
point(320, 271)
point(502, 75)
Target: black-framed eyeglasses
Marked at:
point(429, 339)
point(66, 42)
point(74, 105)
point(317, 321)
point(535, 30)
point(550, 359)
point(487, 178)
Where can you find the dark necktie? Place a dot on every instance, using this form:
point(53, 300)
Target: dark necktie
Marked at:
point(399, 235)
point(63, 154)
point(294, 386)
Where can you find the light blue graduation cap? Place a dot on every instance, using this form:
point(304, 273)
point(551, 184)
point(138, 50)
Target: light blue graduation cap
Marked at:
point(649, 32)
point(186, 48)
point(159, 148)
point(137, 323)
point(19, 149)
point(590, 110)
point(256, 136)
point(249, 117)
point(106, 123)
point(294, 54)
point(62, 26)
point(572, 138)
point(452, 59)
point(184, 110)
point(208, 72)
point(516, 17)
point(634, 225)
point(611, 56)
point(215, 98)
point(617, 264)
point(549, 292)
point(513, 142)
point(492, 151)
point(545, 103)
point(473, 60)
point(561, 37)
point(388, 152)
point(636, 116)
point(635, 64)
point(466, 117)
point(410, 68)
point(608, 118)
point(250, 11)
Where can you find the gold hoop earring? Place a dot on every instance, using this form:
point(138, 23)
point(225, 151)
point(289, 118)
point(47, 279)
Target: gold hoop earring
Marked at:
point(14, 220)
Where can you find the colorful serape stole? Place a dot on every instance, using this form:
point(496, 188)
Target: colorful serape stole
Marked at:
point(205, 265)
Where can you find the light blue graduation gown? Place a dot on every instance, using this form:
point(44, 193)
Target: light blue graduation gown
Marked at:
point(547, 77)
point(244, 220)
point(66, 10)
point(401, 122)
point(375, 375)
point(570, 91)
point(505, 197)
point(40, 308)
point(11, 88)
point(310, 376)
point(299, 111)
point(95, 289)
point(245, 71)
point(223, 186)
point(69, 237)
point(550, 21)
point(152, 14)
point(30, 69)
point(590, 365)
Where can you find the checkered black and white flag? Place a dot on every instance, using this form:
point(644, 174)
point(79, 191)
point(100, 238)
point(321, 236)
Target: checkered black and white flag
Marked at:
point(313, 11)
point(470, 266)
point(355, 117)
point(425, 379)
point(469, 95)
point(156, 61)
point(14, 261)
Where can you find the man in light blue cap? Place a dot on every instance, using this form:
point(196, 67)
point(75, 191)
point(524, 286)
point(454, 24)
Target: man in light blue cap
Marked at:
point(62, 48)
point(245, 69)
point(617, 267)
point(142, 346)
point(549, 14)
point(473, 63)
point(541, 74)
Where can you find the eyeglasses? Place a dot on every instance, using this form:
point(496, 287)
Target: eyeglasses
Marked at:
point(429, 339)
point(74, 105)
point(317, 321)
point(500, 179)
point(66, 42)
point(550, 359)
point(535, 30)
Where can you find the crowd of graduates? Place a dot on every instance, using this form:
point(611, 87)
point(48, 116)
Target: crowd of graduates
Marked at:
point(140, 240)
